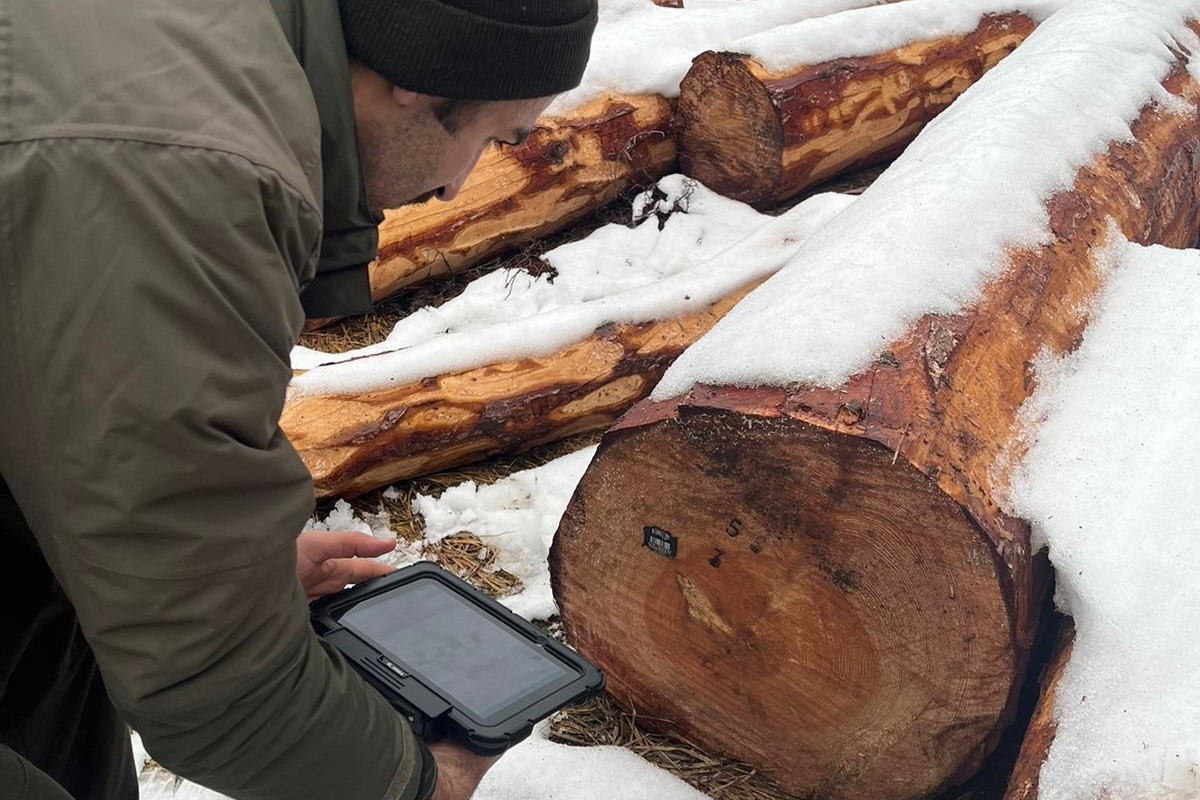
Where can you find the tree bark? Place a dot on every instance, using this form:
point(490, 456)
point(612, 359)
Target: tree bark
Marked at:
point(566, 169)
point(762, 138)
point(353, 444)
point(1023, 783)
point(848, 608)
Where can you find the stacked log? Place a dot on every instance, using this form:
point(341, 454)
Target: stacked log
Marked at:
point(355, 443)
point(1023, 783)
point(567, 168)
point(818, 582)
point(573, 164)
point(763, 137)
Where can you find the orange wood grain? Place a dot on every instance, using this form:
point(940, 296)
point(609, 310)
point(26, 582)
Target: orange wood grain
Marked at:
point(355, 443)
point(567, 168)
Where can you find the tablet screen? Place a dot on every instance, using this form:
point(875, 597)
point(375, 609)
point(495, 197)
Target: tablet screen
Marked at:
point(468, 656)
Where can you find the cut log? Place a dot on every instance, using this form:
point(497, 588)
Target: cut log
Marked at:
point(819, 582)
point(1023, 783)
point(567, 168)
point(762, 137)
point(353, 444)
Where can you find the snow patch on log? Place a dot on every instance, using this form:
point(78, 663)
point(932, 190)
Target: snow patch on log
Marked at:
point(692, 249)
point(929, 234)
point(870, 31)
point(1109, 482)
point(641, 48)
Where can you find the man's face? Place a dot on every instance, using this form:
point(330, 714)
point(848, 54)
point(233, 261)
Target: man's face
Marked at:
point(408, 155)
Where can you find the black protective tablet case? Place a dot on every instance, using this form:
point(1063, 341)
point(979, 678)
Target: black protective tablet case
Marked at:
point(431, 709)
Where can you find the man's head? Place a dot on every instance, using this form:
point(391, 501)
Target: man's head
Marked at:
point(436, 81)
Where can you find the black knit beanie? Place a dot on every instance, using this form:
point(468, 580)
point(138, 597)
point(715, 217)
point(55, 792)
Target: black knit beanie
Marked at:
point(473, 49)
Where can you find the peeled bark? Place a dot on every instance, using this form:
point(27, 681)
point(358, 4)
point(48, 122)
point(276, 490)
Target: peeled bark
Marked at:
point(1023, 783)
point(566, 169)
point(762, 137)
point(353, 444)
point(848, 608)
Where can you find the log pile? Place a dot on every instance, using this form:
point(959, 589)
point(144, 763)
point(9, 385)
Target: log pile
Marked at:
point(819, 582)
point(562, 172)
point(742, 131)
point(763, 137)
point(566, 169)
point(353, 444)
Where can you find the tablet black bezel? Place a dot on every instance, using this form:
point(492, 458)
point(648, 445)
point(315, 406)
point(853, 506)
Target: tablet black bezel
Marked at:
point(499, 730)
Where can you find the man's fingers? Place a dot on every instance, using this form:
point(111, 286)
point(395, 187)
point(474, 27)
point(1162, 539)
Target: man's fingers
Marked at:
point(339, 572)
point(322, 545)
point(328, 560)
point(357, 570)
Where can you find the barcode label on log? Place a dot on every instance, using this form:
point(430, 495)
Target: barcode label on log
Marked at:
point(659, 541)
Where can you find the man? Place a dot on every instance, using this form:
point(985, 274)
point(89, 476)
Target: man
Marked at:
point(167, 171)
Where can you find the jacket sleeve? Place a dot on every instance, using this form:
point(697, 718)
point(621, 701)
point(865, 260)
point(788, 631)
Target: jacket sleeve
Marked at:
point(148, 303)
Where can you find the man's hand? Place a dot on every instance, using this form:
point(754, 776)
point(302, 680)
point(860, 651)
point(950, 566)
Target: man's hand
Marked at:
point(459, 770)
point(328, 560)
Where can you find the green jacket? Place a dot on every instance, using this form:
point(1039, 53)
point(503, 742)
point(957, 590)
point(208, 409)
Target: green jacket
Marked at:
point(160, 209)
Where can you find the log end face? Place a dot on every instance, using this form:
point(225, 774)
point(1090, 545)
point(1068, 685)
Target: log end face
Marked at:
point(822, 614)
point(730, 136)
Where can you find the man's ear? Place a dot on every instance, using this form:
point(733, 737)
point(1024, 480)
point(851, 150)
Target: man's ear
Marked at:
point(404, 98)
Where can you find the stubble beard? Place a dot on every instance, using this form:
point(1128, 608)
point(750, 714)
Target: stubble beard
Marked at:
point(396, 162)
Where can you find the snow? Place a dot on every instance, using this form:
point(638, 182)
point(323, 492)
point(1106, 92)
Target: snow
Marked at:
point(543, 770)
point(1110, 485)
point(641, 48)
point(344, 518)
point(155, 783)
point(517, 515)
point(928, 235)
point(707, 247)
point(870, 31)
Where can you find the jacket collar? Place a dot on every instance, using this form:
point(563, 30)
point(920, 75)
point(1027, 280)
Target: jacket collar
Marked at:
point(341, 286)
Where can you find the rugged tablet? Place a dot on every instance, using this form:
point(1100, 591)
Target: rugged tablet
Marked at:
point(451, 659)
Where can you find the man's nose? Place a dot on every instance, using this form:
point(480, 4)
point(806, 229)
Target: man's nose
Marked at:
point(451, 190)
